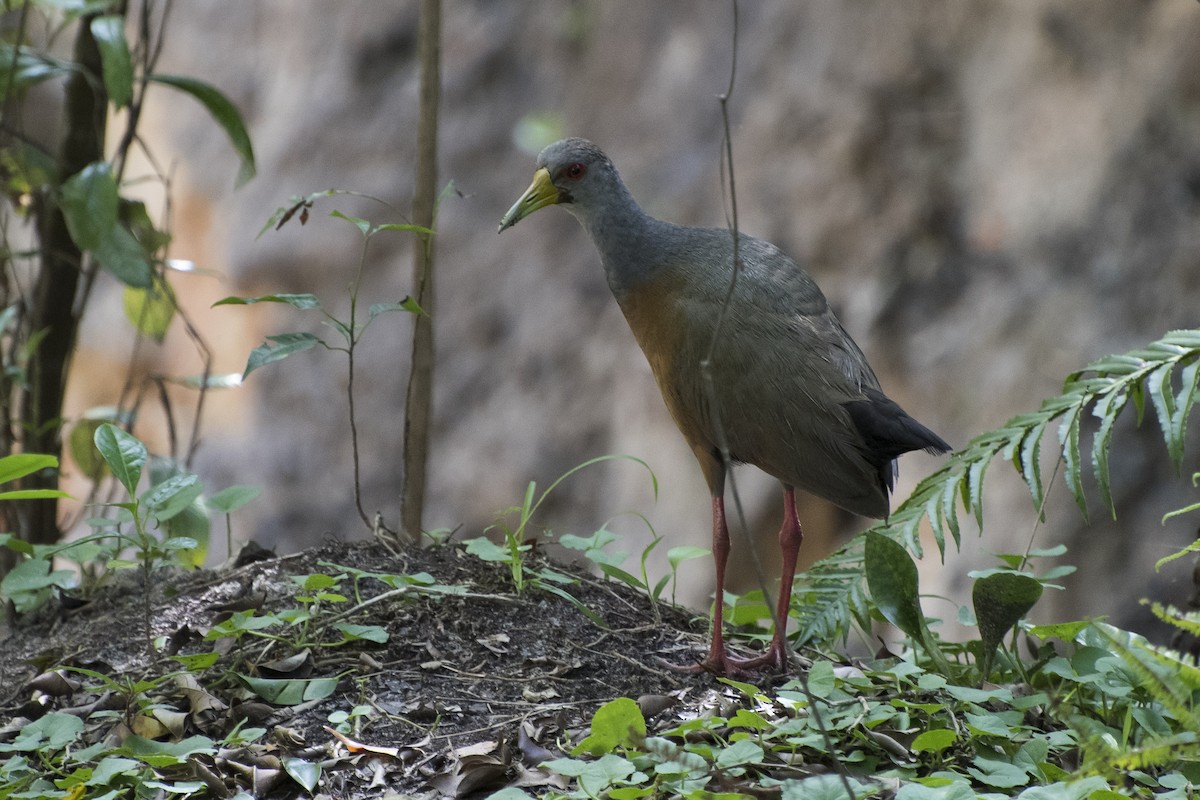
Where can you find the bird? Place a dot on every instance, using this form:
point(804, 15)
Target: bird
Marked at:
point(788, 390)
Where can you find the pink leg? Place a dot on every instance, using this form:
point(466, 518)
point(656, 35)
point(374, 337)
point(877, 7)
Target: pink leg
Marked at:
point(790, 537)
point(719, 660)
point(720, 548)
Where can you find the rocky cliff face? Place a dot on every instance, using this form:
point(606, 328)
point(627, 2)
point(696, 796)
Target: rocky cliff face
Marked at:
point(991, 193)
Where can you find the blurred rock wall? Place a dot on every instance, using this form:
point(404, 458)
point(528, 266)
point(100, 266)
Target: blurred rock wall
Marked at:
point(991, 193)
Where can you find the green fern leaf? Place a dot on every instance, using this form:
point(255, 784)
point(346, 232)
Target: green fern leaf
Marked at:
point(1068, 437)
point(1030, 465)
point(1107, 408)
point(1189, 379)
point(1162, 396)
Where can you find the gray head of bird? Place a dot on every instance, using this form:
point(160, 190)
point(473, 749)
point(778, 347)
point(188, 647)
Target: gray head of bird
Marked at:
point(575, 174)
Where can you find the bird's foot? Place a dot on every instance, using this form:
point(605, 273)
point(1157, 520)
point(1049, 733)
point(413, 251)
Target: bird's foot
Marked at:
point(725, 664)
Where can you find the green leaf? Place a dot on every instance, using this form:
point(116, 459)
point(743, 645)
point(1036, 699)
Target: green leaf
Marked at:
point(1000, 601)
point(89, 205)
point(223, 112)
point(1068, 437)
point(33, 494)
point(117, 66)
point(1030, 461)
point(123, 453)
point(1188, 391)
point(289, 691)
point(300, 301)
point(743, 751)
point(1162, 397)
point(407, 304)
point(278, 348)
point(678, 555)
point(51, 733)
point(934, 741)
point(170, 497)
point(1107, 409)
point(151, 310)
point(231, 499)
point(305, 773)
point(370, 633)
point(487, 550)
point(616, 723)
point(18, 465)
point(23, 67)
point(363, 226)
point(32, 575)
point(892, 581)
point(123, 256)
point(395, 226)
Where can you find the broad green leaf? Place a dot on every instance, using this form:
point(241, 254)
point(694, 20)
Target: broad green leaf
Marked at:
point(82, 441)
point(18, 465)
point(743, 751)
point(892, 581)
point(1000, 601)
point(290, 691)
point(123, 256)
point(134, 216)
point(821, 681)
point(191, 524)
point(48, 735)
point(32, 575)
point(370, 633)
point(616, 723)
point(486, 550)
point(232, 498)
point(677, 555)
point(89, 205)
point(151, 310)
point(123, 453)
point(117, 66)
point(300, 301)
point(934, 741)
point(165, 754)
point(305, 773)
point(278, 348)
point(223, 112)
point(166, 499)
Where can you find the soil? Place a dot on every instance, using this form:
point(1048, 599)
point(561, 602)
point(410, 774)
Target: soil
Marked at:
point(473, 687)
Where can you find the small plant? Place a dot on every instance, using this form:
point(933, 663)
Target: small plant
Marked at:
point(350, 330)
point(126, 457)
point(517, 540)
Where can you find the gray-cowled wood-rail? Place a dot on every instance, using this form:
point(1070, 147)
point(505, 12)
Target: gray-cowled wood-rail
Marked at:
point(792, 391)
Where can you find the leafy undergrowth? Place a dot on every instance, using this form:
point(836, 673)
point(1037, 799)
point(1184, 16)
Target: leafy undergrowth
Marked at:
point(351, 672)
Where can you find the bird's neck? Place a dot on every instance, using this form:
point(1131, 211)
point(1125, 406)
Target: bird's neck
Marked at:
point(624, 236)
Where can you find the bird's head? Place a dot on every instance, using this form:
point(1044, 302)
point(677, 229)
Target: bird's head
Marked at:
point(572, 171)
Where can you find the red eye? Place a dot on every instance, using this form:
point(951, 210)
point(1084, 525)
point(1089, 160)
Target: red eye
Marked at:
point(575, 171)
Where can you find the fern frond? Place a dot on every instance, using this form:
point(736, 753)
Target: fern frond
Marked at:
point(1167, 371)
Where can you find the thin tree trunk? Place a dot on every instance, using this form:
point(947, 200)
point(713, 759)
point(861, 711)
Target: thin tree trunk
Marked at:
point(57, 282)
point(418, 405)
